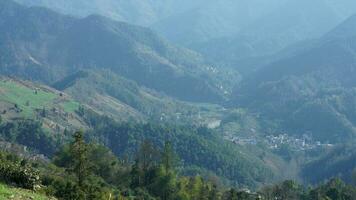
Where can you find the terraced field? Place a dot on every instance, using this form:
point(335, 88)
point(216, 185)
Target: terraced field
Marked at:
point(27, 100)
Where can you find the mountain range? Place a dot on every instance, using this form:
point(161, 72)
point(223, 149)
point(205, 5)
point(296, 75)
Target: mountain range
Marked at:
point(288, 24)
point(46, 46)
point(255, 70)
point(310, 90)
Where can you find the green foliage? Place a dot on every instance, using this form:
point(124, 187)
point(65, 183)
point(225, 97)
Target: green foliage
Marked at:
point(339, 161)
point(335, 189)
point(16, 172)
point(88, 164)
point(194, 145)
point(7, 192)
point(80, 164)
point(29, 133)
point(91, 171)
point(286, 190)
point(168, 157)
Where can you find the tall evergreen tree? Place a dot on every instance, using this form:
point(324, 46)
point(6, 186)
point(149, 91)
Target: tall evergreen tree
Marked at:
point(168, 158)
point(80, 164)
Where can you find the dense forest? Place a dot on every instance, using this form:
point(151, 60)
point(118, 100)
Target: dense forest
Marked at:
point(87, 170)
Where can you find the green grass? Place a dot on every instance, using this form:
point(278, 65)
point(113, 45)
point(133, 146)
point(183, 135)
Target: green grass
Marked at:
point(28, 100)
point(7, 192)
point(70, 106)
point(25, 98)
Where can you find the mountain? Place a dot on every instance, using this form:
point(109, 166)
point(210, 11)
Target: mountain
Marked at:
point(339, 162)
point(137, 12)
point(125, 100)
point(235, 24)
point(288, 24)
point(37, 119)
point(108, 78)
point(310, 91)
point(196, 20)
point(213, 19)
point(42, 45)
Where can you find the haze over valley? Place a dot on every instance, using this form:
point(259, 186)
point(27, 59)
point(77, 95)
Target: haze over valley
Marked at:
point(129, 99)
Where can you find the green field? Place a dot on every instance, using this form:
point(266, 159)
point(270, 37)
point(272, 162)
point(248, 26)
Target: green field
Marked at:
point(29, 99)
point(7, 192)
point(70, 106)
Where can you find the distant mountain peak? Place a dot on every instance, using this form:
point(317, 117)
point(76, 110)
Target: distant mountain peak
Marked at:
point(343, 30)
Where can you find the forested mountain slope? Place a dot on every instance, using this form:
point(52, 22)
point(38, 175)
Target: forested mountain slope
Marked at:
point(42, 45)
point(340, 162)
point(311, 91)
point(37, 119)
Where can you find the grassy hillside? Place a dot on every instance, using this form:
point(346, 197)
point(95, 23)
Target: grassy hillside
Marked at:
point(26, 100)
point(123, 99)
point(7, 192)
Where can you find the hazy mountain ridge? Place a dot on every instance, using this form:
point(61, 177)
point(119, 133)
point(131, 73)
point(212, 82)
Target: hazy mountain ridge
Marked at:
point(293, 22)
point(312, 91)
point(41, 52)
point(207, 19)
point(137, 12)
point(214, 19)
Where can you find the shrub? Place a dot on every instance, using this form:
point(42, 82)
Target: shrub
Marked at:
point(22, 176)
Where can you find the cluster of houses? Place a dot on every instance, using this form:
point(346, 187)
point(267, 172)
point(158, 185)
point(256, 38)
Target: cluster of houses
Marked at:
point(303, 143)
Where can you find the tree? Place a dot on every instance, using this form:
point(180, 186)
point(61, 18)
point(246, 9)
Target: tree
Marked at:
point(232, 194)
point(136, 175)
point(43, 112)
point(353, 173)
point(168, 158)
point(214, 193)
point(164, 184)
point(164, 179)
point(80, 164)
point(147, 156)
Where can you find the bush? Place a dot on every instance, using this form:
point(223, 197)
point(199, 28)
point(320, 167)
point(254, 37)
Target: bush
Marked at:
point(22, 176)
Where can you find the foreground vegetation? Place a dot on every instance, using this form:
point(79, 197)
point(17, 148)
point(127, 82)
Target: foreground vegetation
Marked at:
point(82, 170)
point(7, 192)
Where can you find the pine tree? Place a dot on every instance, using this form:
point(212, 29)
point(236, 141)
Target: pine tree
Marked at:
point(147, 156)
point(80, 163)
point(136, 175)
point(168, 157)
point(214, 193)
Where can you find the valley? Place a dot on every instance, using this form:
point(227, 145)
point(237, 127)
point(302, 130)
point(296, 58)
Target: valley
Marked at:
point(160, 100)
